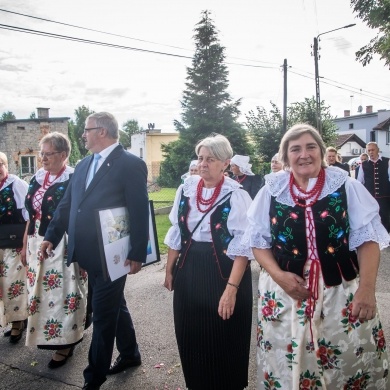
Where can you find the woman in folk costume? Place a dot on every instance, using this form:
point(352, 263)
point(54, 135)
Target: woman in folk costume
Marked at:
point(212, 301)
point(57, 294)
point(241, 169)
point(13, 293)
point(192, 170)
point(317, 235)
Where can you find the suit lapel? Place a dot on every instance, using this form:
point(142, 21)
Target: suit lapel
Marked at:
point(103, 170)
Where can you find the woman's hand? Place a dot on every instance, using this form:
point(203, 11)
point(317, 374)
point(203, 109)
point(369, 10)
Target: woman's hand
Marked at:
point(23, 255)
point(168, 282)
point(227, 302)
point(292, 284)
point(364, 304)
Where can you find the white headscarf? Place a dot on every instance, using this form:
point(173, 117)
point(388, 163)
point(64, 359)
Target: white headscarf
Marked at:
point(193, 163)
point(243, 163)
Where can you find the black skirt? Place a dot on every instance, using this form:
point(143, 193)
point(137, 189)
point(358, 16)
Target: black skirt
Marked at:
point(214, 352)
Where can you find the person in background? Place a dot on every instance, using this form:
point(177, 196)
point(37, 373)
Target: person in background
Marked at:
point(276, 165)
point(374, 173)
point(107, 179)
point(332, 158)
point(13, 282)
point(363, 157)
point(241, 169)
point(57, 295)
point(192, 170)
point(318, 324)
point(212, 302)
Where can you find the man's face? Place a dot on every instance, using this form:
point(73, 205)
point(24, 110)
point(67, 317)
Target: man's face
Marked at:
point(331, 157)
point(373, 151)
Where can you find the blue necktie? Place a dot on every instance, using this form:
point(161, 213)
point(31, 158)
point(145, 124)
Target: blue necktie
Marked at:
point(92, 170)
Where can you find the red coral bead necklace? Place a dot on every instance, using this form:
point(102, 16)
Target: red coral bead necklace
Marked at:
point(47, 183)
point(240, 180)
point(207, 202)
point(314, 193)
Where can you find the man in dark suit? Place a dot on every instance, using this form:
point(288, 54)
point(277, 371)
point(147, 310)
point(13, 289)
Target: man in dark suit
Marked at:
point(374, 173)
point(119, 181)
point(332, 159)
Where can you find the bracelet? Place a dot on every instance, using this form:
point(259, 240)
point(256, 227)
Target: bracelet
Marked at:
point(234, 285)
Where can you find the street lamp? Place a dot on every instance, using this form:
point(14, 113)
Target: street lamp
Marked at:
point(317, 77)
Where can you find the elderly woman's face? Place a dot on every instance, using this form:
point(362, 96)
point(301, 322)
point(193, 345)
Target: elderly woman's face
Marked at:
point(304, 157)
point(194, 170)
point(3, 170)
point(276, 165)
point(235, 169)
point(210, 169)
point(52, 160)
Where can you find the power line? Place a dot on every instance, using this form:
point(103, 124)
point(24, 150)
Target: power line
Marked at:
point(118, 35)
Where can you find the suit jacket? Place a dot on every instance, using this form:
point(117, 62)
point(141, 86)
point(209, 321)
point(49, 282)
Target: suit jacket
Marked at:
point(119, 182)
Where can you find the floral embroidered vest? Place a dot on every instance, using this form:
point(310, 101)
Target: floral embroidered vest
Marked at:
point(219, 232)
point(9, 213)
point(330, 216)
point(50, 201)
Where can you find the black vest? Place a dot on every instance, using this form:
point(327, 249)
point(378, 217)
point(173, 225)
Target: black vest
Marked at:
point(50, 201)
point(330, 217)
point(9, 213)
point(219, 231)
point(376, 177)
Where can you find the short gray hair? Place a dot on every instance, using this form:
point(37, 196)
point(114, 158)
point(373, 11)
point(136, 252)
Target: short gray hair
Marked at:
point(218, 145)
point(296, 132)
point(107, 121)
point(59, 141)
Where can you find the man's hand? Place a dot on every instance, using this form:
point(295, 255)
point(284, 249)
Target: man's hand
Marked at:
point(135, 266)
point(46, 250)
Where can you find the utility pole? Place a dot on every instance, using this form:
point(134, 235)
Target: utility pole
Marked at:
point(285, 96)
point(317, 76)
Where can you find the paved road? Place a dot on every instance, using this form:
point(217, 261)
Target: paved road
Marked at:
point(24, 368)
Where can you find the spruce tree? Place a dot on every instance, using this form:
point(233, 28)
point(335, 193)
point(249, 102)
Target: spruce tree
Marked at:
point(207, 107)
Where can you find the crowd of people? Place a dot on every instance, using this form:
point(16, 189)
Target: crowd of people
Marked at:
point(318, 325)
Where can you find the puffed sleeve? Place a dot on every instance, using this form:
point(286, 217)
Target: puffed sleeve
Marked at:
point(364, 220)
point(237, 223)
point(258, 232)
point(20, 188)
point(173, 238)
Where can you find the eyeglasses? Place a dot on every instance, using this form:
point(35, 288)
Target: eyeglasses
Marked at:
point(47, 154)
point(93, 128)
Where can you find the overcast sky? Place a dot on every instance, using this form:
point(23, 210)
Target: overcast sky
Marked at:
point(37, 71)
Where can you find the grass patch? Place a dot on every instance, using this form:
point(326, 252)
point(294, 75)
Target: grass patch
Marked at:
point(162, 225)
point(163, 198)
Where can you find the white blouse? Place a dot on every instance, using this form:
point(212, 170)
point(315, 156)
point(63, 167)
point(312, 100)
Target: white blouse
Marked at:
point(20, 188)
point(363, 210)
point(237, 221)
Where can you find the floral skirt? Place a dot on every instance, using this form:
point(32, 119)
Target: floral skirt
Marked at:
point(13, 293)
point(326, 351)
point(57, 297)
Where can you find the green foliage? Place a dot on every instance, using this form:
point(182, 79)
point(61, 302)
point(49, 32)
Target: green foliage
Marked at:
point(266, 128)
point(81, 115)
point(376, 14)
point(75, 154)
point(129, 128)
point(207, 107)
point(7, 116)
point(33, 115)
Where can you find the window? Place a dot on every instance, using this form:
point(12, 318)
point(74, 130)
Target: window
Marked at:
point(387, 137)
point(350, 126)
point(372, 136)
point(20, 128)
point(28, 165)
point(141, 153)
